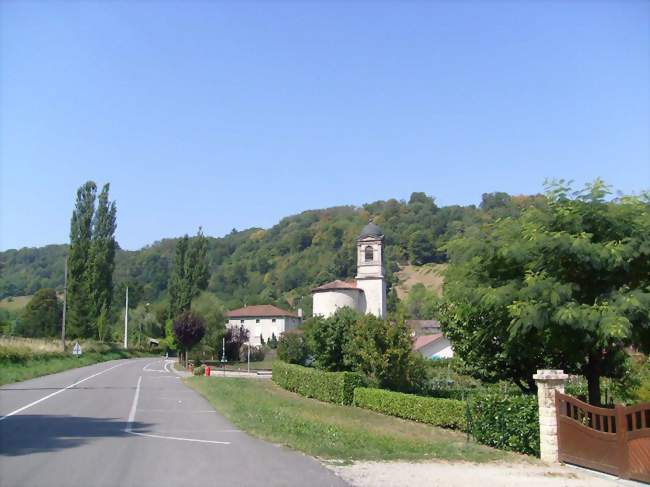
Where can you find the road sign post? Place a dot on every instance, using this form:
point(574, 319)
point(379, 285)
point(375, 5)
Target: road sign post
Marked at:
point(76, 349)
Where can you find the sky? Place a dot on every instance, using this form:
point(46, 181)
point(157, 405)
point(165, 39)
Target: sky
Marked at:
point(236, 114)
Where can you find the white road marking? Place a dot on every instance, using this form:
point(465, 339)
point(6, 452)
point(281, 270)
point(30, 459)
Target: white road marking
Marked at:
point(147, 369)
point(134, 406)
point(180, 439)
point(59, 391)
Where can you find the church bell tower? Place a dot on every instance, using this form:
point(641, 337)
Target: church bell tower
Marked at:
point(370, 269)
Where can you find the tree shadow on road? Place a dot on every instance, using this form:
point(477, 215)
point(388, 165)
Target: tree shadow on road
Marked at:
point(25, 434)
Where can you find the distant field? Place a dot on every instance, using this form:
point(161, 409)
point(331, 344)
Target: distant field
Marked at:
point(430, 275)
point(15, 303)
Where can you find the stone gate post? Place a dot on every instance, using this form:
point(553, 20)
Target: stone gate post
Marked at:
point(548, 381)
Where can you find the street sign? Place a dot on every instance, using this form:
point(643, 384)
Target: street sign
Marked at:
point(76, 350)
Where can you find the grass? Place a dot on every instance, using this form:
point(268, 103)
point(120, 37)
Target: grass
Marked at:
point(14, 303)
point(329, 431)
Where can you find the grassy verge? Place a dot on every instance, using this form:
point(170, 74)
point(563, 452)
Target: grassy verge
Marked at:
point(330, 431)
point(44, 365)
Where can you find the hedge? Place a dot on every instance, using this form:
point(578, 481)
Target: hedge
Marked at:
point(507, 422)
point(448, 413)
point(336, 387)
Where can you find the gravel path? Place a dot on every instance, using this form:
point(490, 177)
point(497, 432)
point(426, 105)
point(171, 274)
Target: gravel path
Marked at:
point(443, 474)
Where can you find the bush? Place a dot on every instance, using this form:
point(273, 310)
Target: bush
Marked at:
point(507, 422)
point(448, 413)
point(200, 370)
point(257, 354)
point(336, 387)
point(292, 348)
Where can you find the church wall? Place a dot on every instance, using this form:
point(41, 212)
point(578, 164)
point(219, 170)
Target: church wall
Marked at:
point(375, 296)
point(327, 302)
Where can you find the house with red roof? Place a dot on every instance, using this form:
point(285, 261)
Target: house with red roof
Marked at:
point(263, 320)
point(434, 346)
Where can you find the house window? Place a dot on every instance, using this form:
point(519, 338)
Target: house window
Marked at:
point(257, 321)
point(369, 253)
point(241, 321)
point(273, 320)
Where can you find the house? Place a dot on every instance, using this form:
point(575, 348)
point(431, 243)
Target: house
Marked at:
point(423, 327)
point(367, 292)
point(433, 346)
point(263, 320)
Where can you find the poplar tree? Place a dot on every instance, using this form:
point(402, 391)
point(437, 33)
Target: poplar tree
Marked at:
point(189, 274)
point(79, 292)
point(102, 261)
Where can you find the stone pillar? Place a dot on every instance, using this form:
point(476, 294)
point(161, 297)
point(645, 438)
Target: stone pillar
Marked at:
point(548, 381)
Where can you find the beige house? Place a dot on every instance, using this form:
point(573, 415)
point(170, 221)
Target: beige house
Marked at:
point(263, 320)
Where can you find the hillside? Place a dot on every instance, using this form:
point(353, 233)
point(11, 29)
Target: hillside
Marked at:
point(281, 264)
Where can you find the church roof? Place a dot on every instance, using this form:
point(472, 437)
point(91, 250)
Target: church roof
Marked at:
point(261, 310)
point(330, 286)
point(371, 230)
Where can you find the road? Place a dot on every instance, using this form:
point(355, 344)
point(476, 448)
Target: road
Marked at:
point(133, 423)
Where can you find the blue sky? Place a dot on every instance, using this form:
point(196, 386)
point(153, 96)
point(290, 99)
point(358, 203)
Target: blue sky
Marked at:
point(235, 114)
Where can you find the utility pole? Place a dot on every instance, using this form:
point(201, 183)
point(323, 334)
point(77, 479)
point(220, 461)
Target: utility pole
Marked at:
point(126, 319)
point(65, 302)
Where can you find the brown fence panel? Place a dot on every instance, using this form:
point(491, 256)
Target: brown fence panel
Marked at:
point(616, 441)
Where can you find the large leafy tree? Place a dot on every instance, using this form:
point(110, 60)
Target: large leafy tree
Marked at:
point(189, 274)
point(42, 315)
point(80, 295)
point(565, 285)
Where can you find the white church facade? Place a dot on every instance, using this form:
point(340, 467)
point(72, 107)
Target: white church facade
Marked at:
point(367, 292)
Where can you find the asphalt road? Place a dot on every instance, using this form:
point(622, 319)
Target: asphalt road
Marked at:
point(133, 423)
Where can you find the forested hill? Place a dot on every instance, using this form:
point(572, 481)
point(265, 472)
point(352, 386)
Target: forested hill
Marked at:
point(283, 263)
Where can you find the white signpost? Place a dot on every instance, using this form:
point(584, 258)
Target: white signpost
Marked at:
point(76, 350)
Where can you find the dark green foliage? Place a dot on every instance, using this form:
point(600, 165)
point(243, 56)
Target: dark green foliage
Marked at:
point(42, 315)
point(331, 337)
point(257, 354)
point(565, 285)
point(292, 347)
point(189, 273)
point(421, 303)
point(273, 341)
point(236, 337)
point(448, 413)
point(80, 296)
point(189, 328)
point(381, 350)
point(507, 422)
point(336, 387)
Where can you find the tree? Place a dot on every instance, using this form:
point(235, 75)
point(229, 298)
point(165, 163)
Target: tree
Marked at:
point(42, 315)
point(292, 347)
point(382, 350)
point(189, 274)
point(80, 302)
point(102, 261)
point(421, 249)
point(565, 285)
point(207, 305)
point(329, 338)
point(235, 339)
point(189, 328)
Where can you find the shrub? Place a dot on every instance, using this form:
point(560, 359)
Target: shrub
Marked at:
point(200, 370)
point(448, 413)
point(257, 354)
point(336, 387)
point(507, 422)
point(292, 347)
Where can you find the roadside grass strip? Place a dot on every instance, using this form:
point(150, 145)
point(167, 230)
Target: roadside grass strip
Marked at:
point(331, 431)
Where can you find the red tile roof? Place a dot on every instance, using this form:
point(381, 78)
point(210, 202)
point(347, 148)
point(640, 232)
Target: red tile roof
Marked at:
point(423, 341)
point(337, 285)
point(262, 310)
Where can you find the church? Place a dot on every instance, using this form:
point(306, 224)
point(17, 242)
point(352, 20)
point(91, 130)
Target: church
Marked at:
point(367, 292)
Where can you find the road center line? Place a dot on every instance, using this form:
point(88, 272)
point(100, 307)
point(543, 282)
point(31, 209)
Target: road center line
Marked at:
point(180, 439)
point(134, 406)
point(59, 391)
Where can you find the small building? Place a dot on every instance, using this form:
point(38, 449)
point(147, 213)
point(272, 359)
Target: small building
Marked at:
point(263, 320)
point(433, 346)
point(367, 292)
point(424, 327)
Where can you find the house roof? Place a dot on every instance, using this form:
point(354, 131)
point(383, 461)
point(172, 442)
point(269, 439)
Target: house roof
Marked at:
point(331, 286)
point(260, 310)
point(424, 327)
point(423, 341)
point(371, 230)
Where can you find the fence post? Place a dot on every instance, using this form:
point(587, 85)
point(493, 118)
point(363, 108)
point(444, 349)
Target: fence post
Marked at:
point(621, 439)
point(548, 381)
